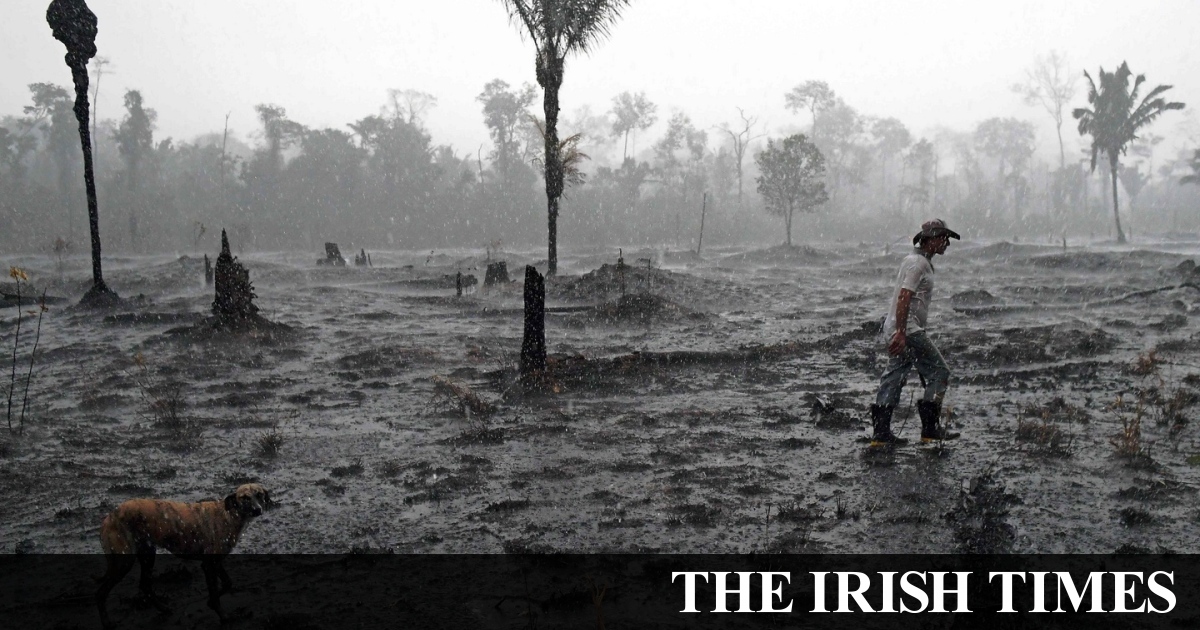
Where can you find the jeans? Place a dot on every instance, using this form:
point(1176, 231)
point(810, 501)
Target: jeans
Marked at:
point(921, 352)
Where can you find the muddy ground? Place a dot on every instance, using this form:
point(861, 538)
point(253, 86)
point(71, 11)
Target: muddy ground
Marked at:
point(1075, 386)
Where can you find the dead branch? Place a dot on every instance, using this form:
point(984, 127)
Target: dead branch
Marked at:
point(466, 399)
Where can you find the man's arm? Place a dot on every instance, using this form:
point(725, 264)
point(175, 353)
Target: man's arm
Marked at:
point(899, 338)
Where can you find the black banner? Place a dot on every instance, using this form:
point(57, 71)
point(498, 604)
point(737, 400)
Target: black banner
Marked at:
point(297, 592)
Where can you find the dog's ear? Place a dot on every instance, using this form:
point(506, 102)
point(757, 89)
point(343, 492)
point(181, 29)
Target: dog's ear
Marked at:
point(231, 503)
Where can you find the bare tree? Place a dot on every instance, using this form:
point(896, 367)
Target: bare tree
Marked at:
point(98, 65)
point(741, 140)
point(224, 142)
point(410, 104)
point(1050, 83)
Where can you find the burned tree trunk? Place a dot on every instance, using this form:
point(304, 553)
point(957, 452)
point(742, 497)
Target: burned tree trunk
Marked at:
point(74, 24)
point(208, 271)
point(497, 273)
point(234, 313)
point(234, 301)
point(533, 346)
point(333, 256)
point(621, 270)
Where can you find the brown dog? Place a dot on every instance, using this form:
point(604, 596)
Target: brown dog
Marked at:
point(205, 531)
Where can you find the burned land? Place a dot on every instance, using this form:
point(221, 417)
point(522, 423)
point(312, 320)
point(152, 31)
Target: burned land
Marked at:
point(713, 403)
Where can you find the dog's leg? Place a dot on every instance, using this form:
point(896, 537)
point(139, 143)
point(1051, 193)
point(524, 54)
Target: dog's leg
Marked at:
point(226, 583)
point(119, 565)
point(212, 569)
point(146, 555)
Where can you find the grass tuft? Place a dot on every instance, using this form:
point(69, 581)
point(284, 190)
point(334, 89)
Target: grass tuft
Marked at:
point(270, 442)
point(1146, 364)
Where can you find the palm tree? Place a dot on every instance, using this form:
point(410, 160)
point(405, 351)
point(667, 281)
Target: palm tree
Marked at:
point(559, 28)
point(1115, 118)
point(569, 156)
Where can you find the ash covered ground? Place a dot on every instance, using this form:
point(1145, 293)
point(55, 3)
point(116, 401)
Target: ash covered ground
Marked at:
point(739, 424)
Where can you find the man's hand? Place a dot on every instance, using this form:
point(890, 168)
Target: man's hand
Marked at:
point(899, 341)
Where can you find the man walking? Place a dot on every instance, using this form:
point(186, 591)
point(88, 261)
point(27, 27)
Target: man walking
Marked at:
point(909, 344)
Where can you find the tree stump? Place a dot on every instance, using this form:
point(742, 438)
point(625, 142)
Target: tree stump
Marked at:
point(360, 259)
point(333, 256)
point(621, 270)
point(497, 273)
point(234, 301)
point(208, 271)
point(458, 284)
point(533, 346)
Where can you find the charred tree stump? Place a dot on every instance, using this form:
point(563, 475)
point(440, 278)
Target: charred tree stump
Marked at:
point(208, 271)
point(360, 259)
point(234, 301)
point(533, 346)
point(458, 284)
point(333, 256)
point(497, 273)
point(621, 270)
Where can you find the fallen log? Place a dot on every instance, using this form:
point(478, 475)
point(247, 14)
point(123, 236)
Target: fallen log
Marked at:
point(1143, 293)
point(574, 367)
point(467, 400)
point(563, 372)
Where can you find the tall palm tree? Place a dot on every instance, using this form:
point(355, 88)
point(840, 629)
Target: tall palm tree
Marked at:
point(1115, 118)
point(559, 28)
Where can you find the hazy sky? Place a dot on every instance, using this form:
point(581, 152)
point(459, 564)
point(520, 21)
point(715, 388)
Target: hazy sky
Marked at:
point(330, 63)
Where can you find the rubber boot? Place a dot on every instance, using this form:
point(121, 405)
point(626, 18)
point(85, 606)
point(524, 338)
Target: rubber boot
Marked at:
point(881, 425)
point(931, 429)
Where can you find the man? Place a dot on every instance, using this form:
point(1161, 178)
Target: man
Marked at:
point(909, 344)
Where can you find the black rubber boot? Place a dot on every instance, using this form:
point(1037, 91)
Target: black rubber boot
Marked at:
point(931, 429)
point(881, 425)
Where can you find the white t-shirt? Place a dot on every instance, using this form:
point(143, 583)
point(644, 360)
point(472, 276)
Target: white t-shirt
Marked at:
point(916, 275)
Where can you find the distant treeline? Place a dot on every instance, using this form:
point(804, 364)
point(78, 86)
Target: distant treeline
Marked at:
point(382, 182)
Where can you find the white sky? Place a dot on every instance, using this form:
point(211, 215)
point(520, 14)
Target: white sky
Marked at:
point(329, 63)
